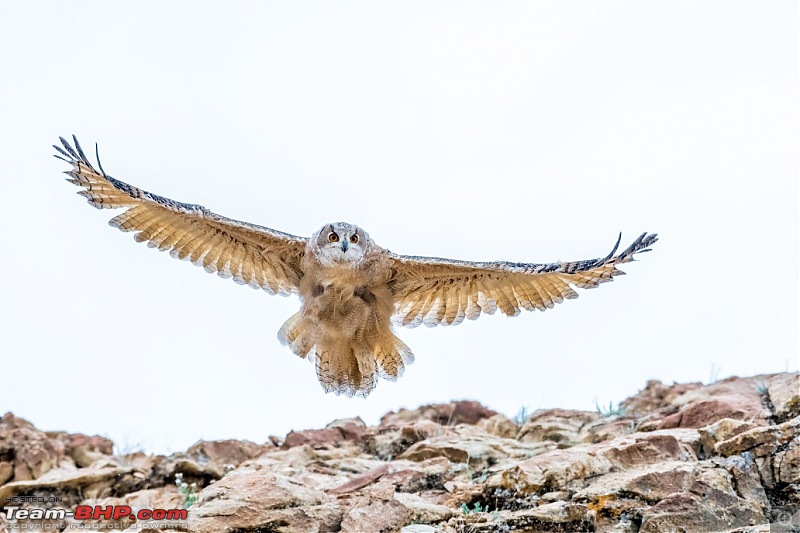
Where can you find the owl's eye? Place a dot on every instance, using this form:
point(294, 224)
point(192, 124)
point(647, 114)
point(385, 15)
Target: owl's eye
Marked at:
point(354, 238)
point(333, 237)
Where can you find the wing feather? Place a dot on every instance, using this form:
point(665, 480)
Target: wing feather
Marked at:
point(253, 255)
point(435, 291)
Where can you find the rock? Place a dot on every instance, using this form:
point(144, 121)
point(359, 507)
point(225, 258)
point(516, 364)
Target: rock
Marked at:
point(316, 438)
point(608, 428)
point(352, 429)
point(760, 441)
point(252, 497)
point(362, 480)
point(784, 395)
point(722, 457)
point(197, 469)
point(95, 482)
point(721, 430)
point(650, 483)
point(706, 412)
point(714, 510)
point(337, 432)
point(378, 515)
point(423, 510)
point(566, 469)
point(227, 452)
point(787, 463)
point(29, 451)
point(746, 478)
point(6, 472)
point(656, 398)
point(556, 425)
point(478, 451)
point(551, 517)
point(454, 413)
point(500, 426)
point(83, 449)
point(694, 405)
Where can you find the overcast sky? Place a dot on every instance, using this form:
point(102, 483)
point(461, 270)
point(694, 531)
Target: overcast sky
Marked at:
point(524, 131)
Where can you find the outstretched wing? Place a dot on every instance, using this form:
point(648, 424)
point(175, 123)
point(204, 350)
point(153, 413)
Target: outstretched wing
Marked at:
point(433, 291)
point(252, 255)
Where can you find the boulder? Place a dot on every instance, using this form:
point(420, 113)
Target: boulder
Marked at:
point(26, 451)
point(446, 414)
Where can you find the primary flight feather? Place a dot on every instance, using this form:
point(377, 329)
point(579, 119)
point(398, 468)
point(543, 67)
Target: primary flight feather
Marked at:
point(351, 290)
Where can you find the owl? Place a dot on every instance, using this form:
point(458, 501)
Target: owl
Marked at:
point(351, 290)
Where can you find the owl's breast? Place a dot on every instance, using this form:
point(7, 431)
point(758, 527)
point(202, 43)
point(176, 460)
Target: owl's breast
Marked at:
point(347, 302)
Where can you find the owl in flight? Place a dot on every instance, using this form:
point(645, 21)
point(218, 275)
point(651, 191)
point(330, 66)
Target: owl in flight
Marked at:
point(351, 290)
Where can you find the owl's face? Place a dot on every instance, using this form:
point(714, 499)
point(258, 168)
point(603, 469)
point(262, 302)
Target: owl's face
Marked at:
point(340, 243)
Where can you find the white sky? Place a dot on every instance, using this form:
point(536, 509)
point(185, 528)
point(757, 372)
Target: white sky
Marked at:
point(525, 131)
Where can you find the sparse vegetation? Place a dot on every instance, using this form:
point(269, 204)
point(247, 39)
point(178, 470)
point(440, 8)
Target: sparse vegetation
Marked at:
point(477, 508)
point(521, 417)
point(713, 374)
point(610, 410)
point(189, 491)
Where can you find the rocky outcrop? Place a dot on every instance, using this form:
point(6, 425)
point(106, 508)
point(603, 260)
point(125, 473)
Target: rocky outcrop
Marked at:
point(682, 457)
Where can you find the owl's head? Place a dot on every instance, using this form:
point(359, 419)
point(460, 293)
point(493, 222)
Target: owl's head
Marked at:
point(340, 243)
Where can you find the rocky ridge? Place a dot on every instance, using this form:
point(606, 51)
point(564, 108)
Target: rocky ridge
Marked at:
point(682, 457)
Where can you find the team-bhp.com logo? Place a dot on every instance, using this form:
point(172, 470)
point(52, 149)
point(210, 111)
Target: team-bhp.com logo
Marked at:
point(96, 512)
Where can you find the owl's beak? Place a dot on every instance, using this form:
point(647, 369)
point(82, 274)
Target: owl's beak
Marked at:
point(344, 245)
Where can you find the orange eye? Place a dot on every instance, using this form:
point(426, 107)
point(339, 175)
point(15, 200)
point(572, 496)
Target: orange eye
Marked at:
point(333, 237)
point(354, 238)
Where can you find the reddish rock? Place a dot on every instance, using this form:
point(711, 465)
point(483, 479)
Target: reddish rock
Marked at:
point(462, 412)
point(656, 398)
point(362, 480)
point(556, 425)
point(6, 472)
point(29, 451)
point(703, 413)
point(727, 457)
point(337, 432)
point(227, 452)
point(375, 515)
point(252, 498)
point(760, 441)
point(784, 395)
point(352, 429)
point(84, 449)
point(787, 464)
point(315, 438)
point(722, 430)
point(499, 425)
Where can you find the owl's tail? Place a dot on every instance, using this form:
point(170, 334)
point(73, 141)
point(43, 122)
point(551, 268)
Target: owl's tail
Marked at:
point(353, 370)
point(343, 366)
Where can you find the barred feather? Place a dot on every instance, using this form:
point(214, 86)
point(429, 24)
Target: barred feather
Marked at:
point(253, 255)
point(435, 291)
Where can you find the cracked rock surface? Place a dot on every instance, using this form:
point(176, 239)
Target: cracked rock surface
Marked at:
point(680, 457)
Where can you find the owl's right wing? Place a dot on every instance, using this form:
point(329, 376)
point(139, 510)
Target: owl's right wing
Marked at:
point(252, 255)
point(434, 291)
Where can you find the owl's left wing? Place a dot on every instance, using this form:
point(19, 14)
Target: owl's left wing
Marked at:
point(433, 291)
point(252, 255)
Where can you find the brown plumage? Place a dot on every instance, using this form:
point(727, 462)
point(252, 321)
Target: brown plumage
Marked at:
point(351, 289)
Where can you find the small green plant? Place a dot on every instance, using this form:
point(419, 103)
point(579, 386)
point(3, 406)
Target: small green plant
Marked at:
point(713, 374)
point(522, 416)
point(611, 410)
point(477, 508)
point(189, 491)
